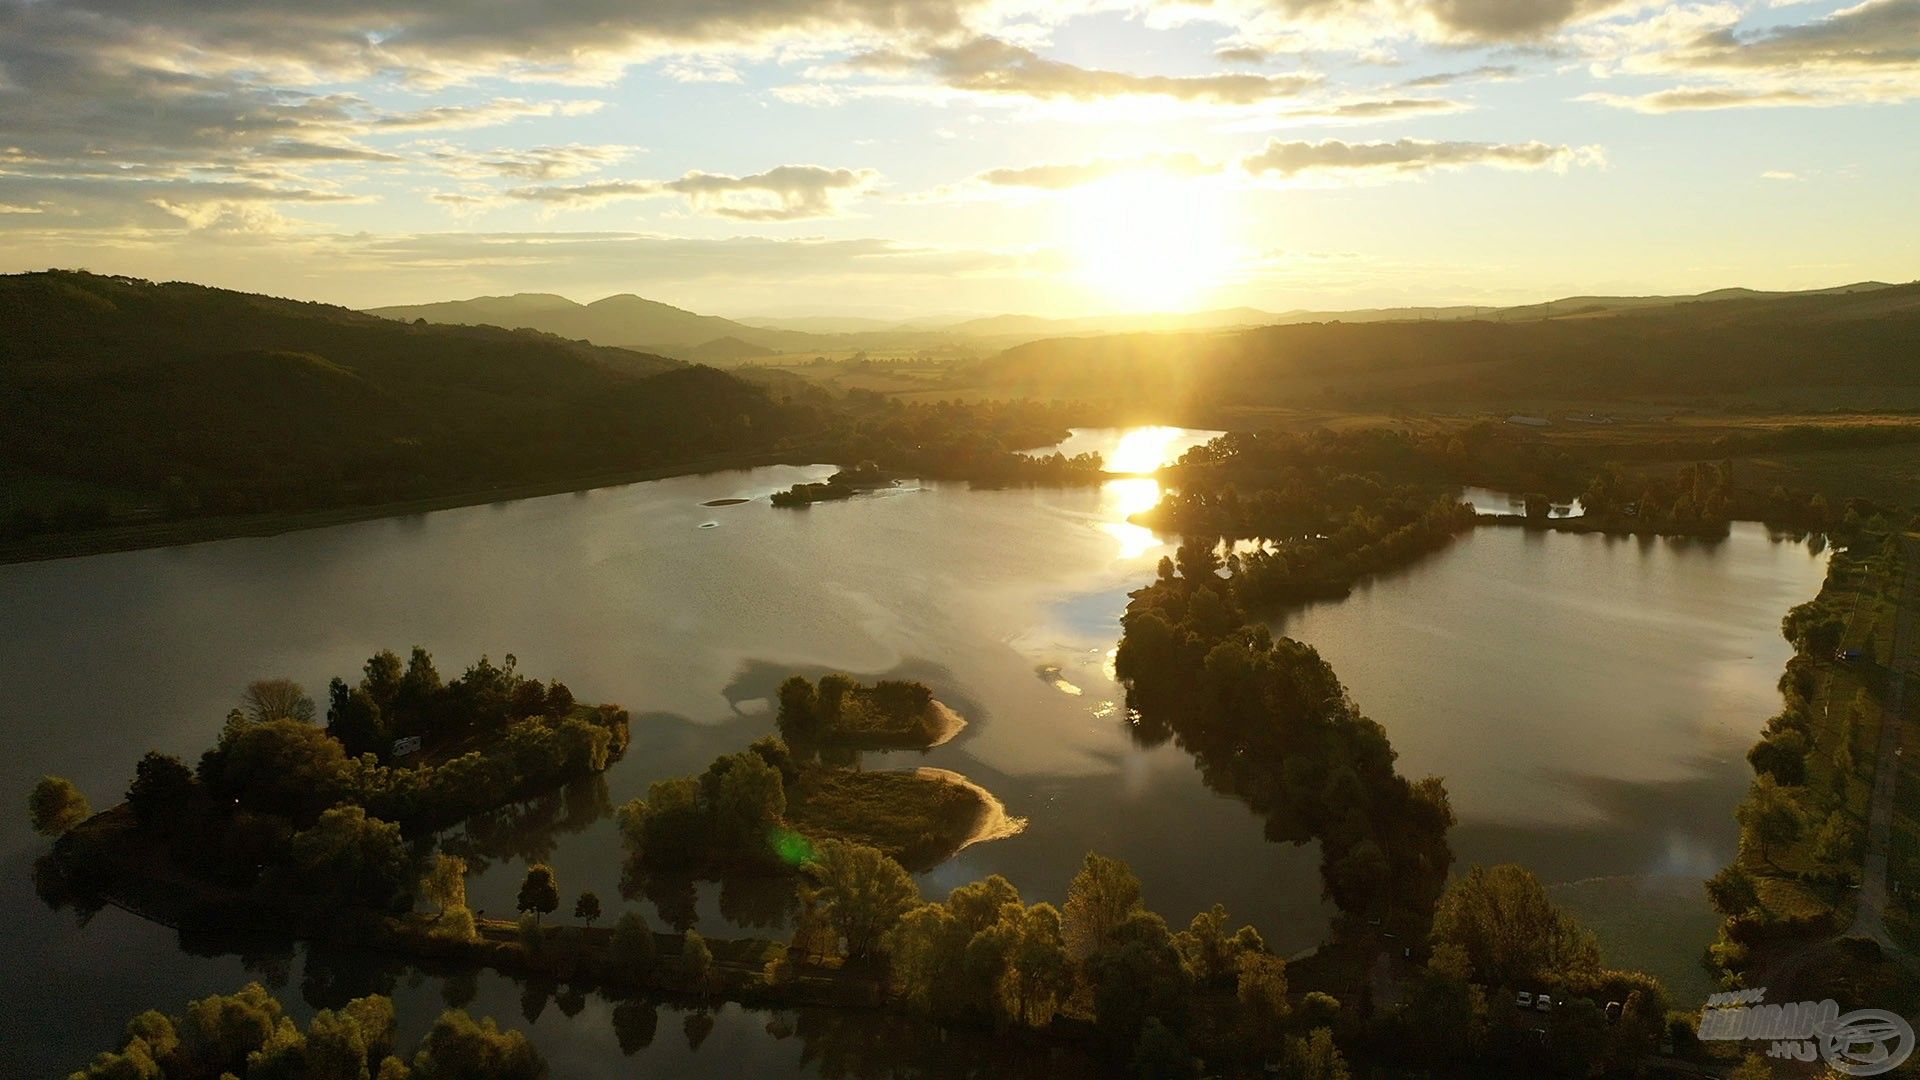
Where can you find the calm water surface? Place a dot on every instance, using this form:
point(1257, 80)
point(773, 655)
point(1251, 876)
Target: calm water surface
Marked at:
point(1587, 700)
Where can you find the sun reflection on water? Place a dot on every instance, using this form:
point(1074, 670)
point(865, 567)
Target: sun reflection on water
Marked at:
point(1120, 500)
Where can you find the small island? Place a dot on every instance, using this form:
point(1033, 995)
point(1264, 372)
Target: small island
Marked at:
point(767, 808)
point(844, 484)
point(839, 713)
point(284, 823)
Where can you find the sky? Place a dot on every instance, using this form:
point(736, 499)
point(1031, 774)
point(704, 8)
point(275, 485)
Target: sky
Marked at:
point(894, 158)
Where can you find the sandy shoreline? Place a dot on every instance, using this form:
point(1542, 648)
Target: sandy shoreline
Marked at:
point(950, 723)
point(994, 823)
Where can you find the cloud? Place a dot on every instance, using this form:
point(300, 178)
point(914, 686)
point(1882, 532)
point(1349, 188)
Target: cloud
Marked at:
point(1407, 157)
point(1483, 73)
point(993, 67)
point(1875, 36)
point(1268, 26)
point(1780, 174)
point(114, 204)
point(532, 163)
point(785, 193)
point(482, 114)
point(1058, 177)
point(1365, 109)
point(1863, 54)
point(1697, 98)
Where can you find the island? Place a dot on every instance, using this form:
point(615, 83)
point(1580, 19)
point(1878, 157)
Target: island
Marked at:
point(892, 714)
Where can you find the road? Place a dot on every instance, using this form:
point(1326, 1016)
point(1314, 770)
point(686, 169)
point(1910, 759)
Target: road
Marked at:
point(1869, 918)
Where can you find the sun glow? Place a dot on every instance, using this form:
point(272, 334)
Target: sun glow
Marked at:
point(1151, 241)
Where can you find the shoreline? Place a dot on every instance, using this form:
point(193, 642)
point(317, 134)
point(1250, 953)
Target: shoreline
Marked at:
point(951, 724)
point(992, 823)
point(165, 534)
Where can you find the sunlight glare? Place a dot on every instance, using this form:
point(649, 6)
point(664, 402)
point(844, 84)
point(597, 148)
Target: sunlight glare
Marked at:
point(1142, 450)
point(1151, 241)
point(1122, 499)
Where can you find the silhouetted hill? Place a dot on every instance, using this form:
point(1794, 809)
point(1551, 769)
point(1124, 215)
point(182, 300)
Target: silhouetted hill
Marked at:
point(726, 350)
point(623, 320)
point(1865, 338)
point(214, 401)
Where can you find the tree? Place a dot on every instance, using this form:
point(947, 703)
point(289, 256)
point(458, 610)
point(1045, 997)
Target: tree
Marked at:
point(632, 948)
point(1836, 843)
point(863, 893)
point(1770, 815)
point(587, 907)
point(352, 857)
point(1100, 898)
point(1039, 973)
point(160, 789)
point(1732, 891)
point(276, 699)
point(696, 961)
point(445, 883)
point(799, 708)
point(283, 767)
point(1511, 932)
point(458, 1048)
point(539, 892)
point(1262, 992)
point(1314, 1058)
point(1160, 1054)
point(56, 805)
point(1137, 973)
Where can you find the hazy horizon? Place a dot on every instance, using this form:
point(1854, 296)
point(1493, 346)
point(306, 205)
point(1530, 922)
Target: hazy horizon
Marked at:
point(884, 159)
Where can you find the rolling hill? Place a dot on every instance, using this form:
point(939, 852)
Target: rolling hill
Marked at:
point(1862, 337)
point(138, 395)
point(624, 320)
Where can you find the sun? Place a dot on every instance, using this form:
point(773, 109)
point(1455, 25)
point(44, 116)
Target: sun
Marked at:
point(1150, 241)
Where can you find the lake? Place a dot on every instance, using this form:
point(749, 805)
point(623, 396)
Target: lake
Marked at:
point(1588, 701)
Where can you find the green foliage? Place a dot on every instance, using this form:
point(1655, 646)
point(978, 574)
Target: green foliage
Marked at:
point(863, 893)
point(1511, 933)
point(1732, 891)
point(587, 908)
point(632, 948)
point(1314, 1058)
point(161, 789)
point(304, 406)
point(246, 1035)
point(444, 885)
point(1136, 973)
point(539, 892)
point(1099, 899)
point(353, 859)
point(1159, 1054)
point(1770, 815)
point(56, 805)
point(696, 961)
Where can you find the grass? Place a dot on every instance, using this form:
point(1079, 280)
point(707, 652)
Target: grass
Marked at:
point(919, 820)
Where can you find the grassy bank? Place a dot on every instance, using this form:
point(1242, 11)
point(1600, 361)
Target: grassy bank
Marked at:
point(919, 819)
point(1806, 896)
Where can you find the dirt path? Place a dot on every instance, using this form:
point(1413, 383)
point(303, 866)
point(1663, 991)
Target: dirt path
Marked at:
point(1869, 918)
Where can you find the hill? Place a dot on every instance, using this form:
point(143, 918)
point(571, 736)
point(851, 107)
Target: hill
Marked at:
point(726, 350)
point(623, 320)
point(124, 398)
point(1864, 338)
